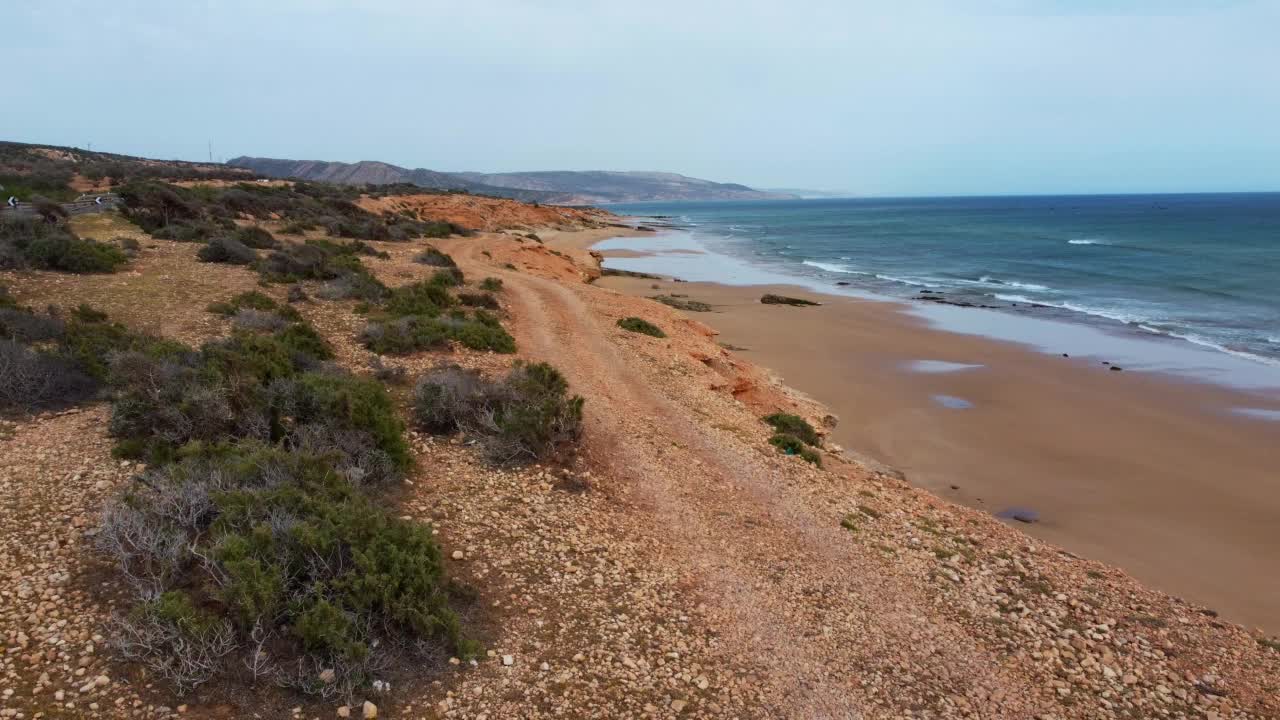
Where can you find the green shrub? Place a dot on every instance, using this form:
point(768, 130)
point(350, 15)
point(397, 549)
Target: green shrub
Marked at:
point(448, 277)
point(421, 298)
point(256, 237)
point(26, 243)
point(288, 551)
point(526, 416)
point(297, 228)
point(480, 300)
point(491, 284)
point(413, 333)
point(226, 250)
point(435, 258)
point(795, 426)
point(792, 445)
point(71, 360)
point(254, 300)
point(637, 325)
point(356, 403)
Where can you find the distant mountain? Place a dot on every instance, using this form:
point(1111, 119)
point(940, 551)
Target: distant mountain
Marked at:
point(370, 172)
point(809, 194)
point(599, 186)
point(562, 187)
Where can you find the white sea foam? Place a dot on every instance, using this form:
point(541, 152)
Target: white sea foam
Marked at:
point(917, 282)
point(829, 267)
point(1206, 342)
point(988, 281)
point(1075, 307)
point(1086, 241)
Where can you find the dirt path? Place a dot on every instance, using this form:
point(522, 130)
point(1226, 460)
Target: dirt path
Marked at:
point(844, 592)
point(790, 593)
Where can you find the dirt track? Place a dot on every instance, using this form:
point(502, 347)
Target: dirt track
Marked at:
point(826, 625)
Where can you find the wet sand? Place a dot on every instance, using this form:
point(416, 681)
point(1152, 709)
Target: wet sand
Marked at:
point(1152, 474)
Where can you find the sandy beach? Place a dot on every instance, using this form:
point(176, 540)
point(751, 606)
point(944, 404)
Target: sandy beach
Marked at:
point(1151, 474)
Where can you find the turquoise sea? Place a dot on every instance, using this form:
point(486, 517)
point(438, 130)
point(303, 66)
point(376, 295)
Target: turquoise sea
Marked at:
point(1202, 270)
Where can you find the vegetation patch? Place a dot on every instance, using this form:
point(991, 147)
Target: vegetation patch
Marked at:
point(254, 542)
point(34, 244)
point(771, 299)
point(491, 284)
point(526, 416)
point(435, 258)
point(792, 445)
point(54, 359)
point(794, 425)
point(227, 250)
point(638, 325)
point(424, 316)
point(190, 213)
point(254, 300)
point(480, 300)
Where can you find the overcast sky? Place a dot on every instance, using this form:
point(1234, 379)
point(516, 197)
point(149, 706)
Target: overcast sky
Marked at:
point(898, 97)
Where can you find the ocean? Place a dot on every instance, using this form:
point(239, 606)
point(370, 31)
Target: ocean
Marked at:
point(1203, 269)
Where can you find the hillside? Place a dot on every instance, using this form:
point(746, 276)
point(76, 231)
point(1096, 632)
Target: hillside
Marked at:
point(561, 187)
point(598, 186)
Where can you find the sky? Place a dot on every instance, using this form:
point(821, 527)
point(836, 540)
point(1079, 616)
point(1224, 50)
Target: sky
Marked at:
point(898, 97)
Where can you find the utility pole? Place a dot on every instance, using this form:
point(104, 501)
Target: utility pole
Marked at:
point(211, 152)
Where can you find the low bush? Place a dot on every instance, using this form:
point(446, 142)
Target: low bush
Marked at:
point(226, 250)
point(414, 333)
point(480, 300)
point(525, 416)
point(34, 379)
point(251, 541)
point(792, 445)
point(254, 300)
point(794, 425)
point(638, 325)
point(69, 361)
point(302, 565)
point(390, 374)
point(420, 298)
point(22, 325)
point(297, 228)
point(256, 237)
point(356, 285)
point(39, 245)
point(320, 259)
point(435, 258)
point(448, 277)
point(491, 284)
point(258, 320)
point(129, 245)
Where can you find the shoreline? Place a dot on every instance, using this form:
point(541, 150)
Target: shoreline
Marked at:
point(676, 253)
point(1000, 426)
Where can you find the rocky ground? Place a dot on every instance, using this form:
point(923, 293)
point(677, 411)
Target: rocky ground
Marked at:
point(677, 566)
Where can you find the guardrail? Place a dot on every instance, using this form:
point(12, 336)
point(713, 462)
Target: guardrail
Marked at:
point(80, 206)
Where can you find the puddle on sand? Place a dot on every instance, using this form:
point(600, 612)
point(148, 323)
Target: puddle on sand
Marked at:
point(1021, 514)
point(939, 366)
point(952, 402)
point(1258, 413)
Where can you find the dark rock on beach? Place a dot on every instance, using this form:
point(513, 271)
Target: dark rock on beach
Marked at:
point(771, 299)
